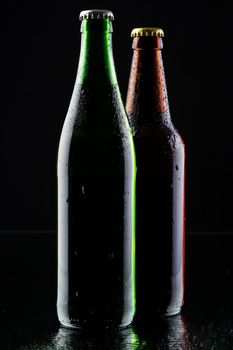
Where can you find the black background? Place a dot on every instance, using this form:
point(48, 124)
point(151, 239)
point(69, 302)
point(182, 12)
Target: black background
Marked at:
point(40, 50)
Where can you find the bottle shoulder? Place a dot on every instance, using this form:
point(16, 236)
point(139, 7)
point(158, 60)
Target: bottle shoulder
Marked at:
point(158, 139)
point(96, 123)
point(155, 125)
point(95, 109)
point(91, 104)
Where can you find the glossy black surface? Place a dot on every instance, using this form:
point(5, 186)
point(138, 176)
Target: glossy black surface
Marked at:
point(28, 295)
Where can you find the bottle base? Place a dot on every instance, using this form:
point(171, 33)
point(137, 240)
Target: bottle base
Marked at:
point(77, 318)
point(89, 326)
point(143, 316)
point(172, 312)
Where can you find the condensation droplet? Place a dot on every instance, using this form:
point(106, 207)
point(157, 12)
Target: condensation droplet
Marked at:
point(83, 191)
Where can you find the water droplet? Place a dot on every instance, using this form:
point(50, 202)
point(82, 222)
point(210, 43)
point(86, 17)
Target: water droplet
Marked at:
point(83, 192)
point(67, 200)
point(76, 294)
point(111, 255)
point(177, 168)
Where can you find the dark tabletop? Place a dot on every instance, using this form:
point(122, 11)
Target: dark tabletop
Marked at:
point(28, 300)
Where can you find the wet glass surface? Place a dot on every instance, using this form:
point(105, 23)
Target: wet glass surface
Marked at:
point(28, 296)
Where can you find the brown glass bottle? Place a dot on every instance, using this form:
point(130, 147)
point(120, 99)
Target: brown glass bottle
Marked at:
point(160, 160)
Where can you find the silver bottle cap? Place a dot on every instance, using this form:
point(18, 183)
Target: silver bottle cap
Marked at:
point(96, 14)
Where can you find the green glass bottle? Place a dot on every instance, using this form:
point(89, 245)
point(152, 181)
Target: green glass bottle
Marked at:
point(96, 188)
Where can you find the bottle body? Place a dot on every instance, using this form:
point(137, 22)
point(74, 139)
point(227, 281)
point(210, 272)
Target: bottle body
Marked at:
point(96, 178)
point(159, 224)
point(159, 187)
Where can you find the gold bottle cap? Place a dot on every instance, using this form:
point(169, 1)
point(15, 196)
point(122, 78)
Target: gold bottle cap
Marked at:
point(96, 14)
point(147, 32)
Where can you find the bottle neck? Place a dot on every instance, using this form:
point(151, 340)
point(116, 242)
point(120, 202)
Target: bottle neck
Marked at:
point(96, 57)
point(147, 85)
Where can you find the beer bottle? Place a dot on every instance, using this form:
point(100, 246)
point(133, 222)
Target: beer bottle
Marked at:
point(160, 182)
point(96, 185)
